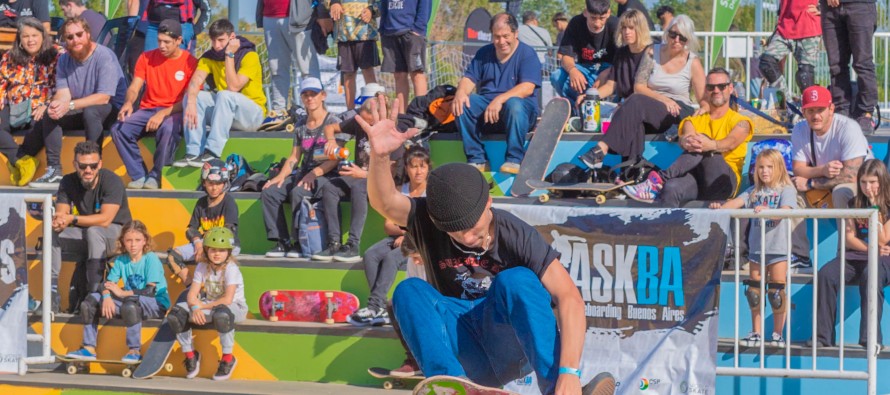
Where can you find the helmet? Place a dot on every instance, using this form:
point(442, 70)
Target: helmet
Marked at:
point(568, 173)
point(215, 170)
point(219, 237)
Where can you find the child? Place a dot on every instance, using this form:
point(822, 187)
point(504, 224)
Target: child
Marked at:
point(772, 189)
point(217, 208)
point(873, 192)
point(216, 297)
point(144, 294)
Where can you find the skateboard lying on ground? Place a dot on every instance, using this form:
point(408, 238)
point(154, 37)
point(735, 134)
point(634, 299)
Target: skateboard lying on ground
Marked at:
point(73, 365)
point(599, 191)
point(543, 144)
point(448, 385)
point(155, 358)
point(308, 306)
point(391, 381)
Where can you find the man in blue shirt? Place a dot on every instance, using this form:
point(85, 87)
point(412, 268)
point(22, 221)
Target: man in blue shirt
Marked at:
point(505, 74)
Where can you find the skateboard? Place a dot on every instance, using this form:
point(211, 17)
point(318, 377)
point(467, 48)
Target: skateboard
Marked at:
point(280, 120)
point(448, 385)
point(74, 365)
point(600, 191)
point(391, 381)
point(155, 359)
point(543, 144)
point(308, 306)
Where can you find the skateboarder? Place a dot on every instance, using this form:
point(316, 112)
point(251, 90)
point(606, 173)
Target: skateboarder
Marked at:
point(144, 294)
point(216, 297)
point(471, 251)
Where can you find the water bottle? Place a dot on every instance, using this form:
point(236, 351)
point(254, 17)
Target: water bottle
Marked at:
point(590, 111)
point(339, 154)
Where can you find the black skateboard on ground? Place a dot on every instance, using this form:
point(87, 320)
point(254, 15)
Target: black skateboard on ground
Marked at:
point(543, 144)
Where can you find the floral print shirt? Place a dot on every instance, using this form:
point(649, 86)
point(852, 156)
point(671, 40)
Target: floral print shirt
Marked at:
point(20, 83)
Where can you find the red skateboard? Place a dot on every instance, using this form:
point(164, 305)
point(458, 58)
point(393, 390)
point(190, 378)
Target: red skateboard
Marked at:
point(308, 306)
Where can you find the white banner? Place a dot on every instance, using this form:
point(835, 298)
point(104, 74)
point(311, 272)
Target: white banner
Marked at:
point(13, 284)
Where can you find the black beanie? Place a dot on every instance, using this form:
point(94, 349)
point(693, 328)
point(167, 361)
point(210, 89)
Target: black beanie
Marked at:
point(457, 193)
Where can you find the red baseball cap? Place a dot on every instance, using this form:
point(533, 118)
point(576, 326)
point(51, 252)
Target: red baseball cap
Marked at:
point(816, 96)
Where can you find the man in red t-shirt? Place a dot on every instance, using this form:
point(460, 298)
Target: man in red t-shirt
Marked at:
point(165, 72)
point(798, 31)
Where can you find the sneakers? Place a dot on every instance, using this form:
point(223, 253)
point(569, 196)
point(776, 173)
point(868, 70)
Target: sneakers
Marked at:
point(132, 357)
point(867, 123)
point(294, 252)
point(50, 179)
point(82, 354)
point(348, 253)
point(327, 255)
point(510, 168)
point(225, 369)
point(481, 166)
point(151, 183)
point(646, 191)
point(752, 340)
point(409, 368)
point(602, 384)
point(137, 184)
point(25, 167)
point(777, 340)
point(801, 265)
point(184, 162)
point(593, 158)
point(199, 161)
point(367, 316)
point(280, 250)
point(33, 305)
point(192, 365)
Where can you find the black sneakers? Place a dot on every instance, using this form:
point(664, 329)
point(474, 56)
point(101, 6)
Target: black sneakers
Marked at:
point(225, 369)
point(327, 255)
point(282, 247)
point(593, 158)
point(348, 253)
point(50, 179)
point(192, 365)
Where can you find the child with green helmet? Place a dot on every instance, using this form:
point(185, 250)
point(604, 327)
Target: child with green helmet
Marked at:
point(216, 296)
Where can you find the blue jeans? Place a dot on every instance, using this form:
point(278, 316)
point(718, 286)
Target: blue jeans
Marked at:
point(562, 85)
point(223, 111)
point(126, 135)
point(492, 340)
point(150, 309)
point(188, 37)
point(516, 118)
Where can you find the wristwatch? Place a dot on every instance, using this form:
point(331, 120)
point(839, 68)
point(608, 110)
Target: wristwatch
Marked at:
point(71, 105)
point(74, 220)
point(230, 54)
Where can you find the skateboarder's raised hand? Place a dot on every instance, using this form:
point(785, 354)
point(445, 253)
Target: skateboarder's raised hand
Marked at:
point(384, 137)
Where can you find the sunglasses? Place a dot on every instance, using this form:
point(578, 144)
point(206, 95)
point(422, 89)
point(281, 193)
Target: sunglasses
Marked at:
point(673, 35)
point(91, 166)
point(78, 34)
point(719, 87)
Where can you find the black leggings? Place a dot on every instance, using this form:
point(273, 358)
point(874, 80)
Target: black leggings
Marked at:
point(637, 116)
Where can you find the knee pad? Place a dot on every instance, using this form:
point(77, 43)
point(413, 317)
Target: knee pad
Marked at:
point(775, 293)
point(131, 311)
point(223, 319)
point(806, 76)
point(88, 309)
point(175, 260)
point(769, 67)
point(178, 319)
point(753, 293)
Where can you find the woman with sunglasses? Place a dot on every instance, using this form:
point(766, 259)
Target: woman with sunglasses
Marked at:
point(27, 79)
point(634, 43)
point(661, 95)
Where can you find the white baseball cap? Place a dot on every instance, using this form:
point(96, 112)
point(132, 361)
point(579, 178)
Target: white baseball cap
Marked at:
point(311, 84)
point(368, 91)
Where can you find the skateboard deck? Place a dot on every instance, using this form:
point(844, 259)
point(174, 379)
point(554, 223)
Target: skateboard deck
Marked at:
point(74, 365)
point(308, 306)
point(391, 381)
point(543, 144)
point(448, 385)
point(159, 350)
point(600, 191)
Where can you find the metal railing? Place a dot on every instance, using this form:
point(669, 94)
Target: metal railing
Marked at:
point(870, 375)
point(46, 355)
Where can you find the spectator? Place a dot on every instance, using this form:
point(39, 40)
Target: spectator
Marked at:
point(634, 42)
point(560, 21)
point(847, 31)
point(506, 75)
point(627, 5)
point(91, 208)
point(403, 37)
point(534, 36)
point(661, 95)
point(664, 14)
point(588, 48)
point(356, 33)
point(165, 73)
point(873, 193)
point(143, 296)
point(286, 28)
point(714, 147)
point(800, 31)
point(301, 175)
point(27, 79)
point(90, 88)
point(153, 12)
point(384, 258)
point(414, 268)
point(231, 67)
point(73, 8)
point(12, 10)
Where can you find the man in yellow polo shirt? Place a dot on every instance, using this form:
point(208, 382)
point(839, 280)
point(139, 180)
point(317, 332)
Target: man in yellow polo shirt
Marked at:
point(231, 67)
point(714, 148)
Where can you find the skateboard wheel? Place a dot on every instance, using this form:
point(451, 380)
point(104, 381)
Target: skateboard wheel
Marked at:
point(273, 293)
point(544, 198)
point(387, 385)
point(71, 369)
point(126, 373)
point(600, 199)
point(168, 367)
point(289, 128)
point(273, 318)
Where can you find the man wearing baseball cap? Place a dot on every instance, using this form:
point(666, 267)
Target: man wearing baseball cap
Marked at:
point(486, 312)
point(368, 91)
point(828, 148)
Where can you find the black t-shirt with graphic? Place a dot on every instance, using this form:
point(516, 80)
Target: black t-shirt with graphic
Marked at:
point(464, 275)
point(10, 12)
point(108, 190)
point(586, 47)
point(204, 217)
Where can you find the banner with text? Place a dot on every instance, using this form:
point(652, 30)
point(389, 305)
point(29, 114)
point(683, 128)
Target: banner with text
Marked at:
point(649, 279)
point(13, 284)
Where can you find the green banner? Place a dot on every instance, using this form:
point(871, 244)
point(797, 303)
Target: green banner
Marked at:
point(724, 12)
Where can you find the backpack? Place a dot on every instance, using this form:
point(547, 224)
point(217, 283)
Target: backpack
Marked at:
point(312, 232)
point(239, 171)
point(435, 108)
point(781, 145)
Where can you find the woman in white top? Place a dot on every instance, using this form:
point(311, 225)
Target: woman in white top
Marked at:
point(661, 94)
